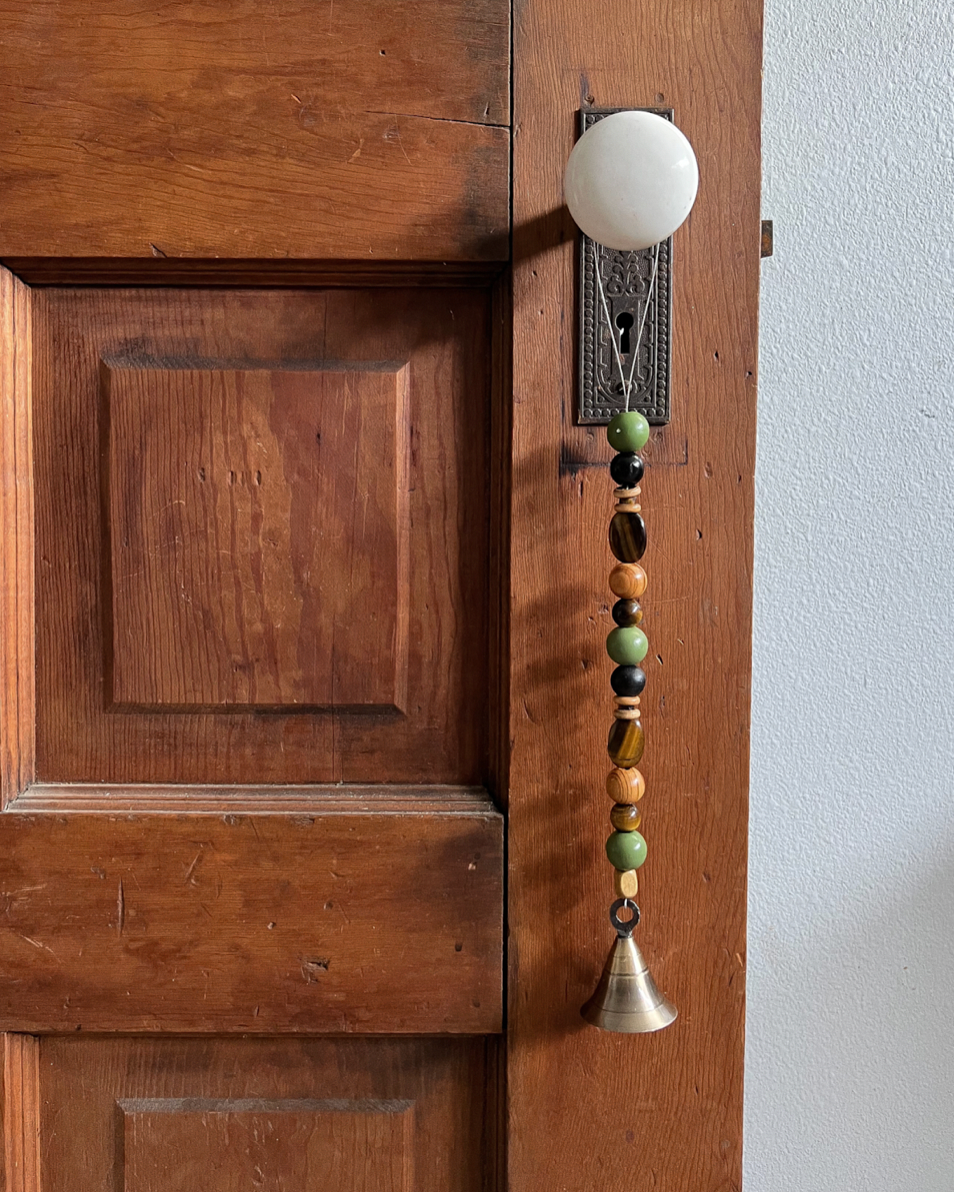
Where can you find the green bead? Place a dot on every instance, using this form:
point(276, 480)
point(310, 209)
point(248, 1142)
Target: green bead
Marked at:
point(626, 850)
point(627, 646)
point(628, 431)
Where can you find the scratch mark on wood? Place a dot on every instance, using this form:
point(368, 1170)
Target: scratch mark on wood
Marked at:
point(437, 119)
point(121, 908)
point(37, 944)
point(313, 967)
point(191, 870)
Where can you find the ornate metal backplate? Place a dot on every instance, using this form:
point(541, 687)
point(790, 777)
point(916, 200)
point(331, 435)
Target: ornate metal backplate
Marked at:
point(626, 277)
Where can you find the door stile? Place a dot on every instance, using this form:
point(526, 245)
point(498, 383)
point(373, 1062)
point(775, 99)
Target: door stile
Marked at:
point(591, 1110)
point(21, 1113)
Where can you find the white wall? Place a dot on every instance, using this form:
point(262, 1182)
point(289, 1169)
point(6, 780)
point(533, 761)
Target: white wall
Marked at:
point(850, 1050)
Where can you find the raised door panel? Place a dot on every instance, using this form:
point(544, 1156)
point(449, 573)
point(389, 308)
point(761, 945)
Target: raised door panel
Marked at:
point(228, 1115)
point(309, 130)
point(257, 525)
point(376, 912)
point(228, 1144)
point(262, 536)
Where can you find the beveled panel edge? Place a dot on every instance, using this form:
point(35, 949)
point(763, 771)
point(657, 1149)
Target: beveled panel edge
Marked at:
point(111, 363)
point(317, 800)
point(252, 273)
point(174, 1105)
point(17, 597)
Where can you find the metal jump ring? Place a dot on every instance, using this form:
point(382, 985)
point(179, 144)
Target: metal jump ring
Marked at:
point(624, 929)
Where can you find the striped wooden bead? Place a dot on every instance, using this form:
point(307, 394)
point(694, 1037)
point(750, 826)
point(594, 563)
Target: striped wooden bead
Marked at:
point(628, 581)
point(625, 785)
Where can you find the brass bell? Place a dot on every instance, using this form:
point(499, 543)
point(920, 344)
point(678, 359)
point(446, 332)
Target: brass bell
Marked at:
point(626, 999)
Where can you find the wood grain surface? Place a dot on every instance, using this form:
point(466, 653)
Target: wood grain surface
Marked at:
point(247, 130)
point(178, 1144)
point(439, 341)
point(590, 1111)
point(349, 1115)
point(257, 526)
point(17, 709)
point(384, 922)
point(21, 1113)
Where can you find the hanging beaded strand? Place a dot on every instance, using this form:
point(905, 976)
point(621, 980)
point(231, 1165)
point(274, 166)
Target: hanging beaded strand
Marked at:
point(627, 646)
point(628, 434)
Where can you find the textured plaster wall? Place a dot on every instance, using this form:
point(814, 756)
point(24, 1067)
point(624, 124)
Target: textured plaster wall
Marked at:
point(850, 1050)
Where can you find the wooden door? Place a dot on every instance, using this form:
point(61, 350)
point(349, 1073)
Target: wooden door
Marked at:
point(303, 583)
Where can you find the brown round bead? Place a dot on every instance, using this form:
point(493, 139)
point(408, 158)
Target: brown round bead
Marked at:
point(626, 742)
point(626, 883)
point(628, 581)
point(626, 613)
point(625, 786)
point(625, 817)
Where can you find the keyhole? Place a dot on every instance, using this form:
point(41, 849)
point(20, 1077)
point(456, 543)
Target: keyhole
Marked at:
point(624, 321)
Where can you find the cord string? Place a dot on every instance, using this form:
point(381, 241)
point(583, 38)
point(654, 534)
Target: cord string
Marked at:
point(626, 382)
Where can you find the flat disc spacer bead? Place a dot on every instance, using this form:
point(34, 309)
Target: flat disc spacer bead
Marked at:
point(628, 581)
point(625, 786)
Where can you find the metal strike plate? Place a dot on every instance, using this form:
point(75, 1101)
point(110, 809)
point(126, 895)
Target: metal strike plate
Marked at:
point(626, 277)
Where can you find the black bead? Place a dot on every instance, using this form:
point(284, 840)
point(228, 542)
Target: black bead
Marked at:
point(627, 469)
point(628, 680)
point(625, 613)
point(627, 536)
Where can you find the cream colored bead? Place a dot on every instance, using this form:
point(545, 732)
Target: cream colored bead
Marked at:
point(626, 883)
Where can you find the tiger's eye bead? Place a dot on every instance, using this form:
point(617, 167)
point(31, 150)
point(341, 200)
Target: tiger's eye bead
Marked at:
point(627, 469)
point(626, 850)
point(628, 581)
point(628, 431)
point(625, 786)
point(627, 536)
point(627, 612)
point(625, 817)
point(627, 646)
point(626, 743)
point(628, 680)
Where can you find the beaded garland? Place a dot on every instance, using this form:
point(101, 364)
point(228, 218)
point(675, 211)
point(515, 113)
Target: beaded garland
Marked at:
point(627, 646)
